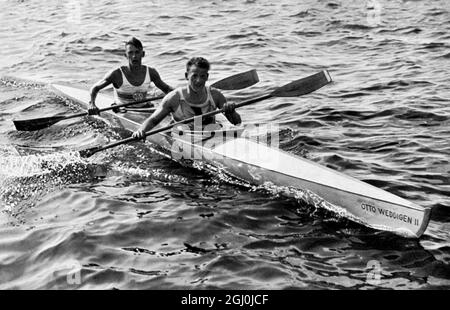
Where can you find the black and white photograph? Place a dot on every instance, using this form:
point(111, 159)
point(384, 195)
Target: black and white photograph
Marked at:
point(225, 150)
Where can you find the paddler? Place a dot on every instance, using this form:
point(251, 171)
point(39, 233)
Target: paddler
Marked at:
point(131, 83)
point(193, 99)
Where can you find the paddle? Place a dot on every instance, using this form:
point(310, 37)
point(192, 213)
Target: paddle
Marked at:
point(141, 110)
point(234, 82)
point(294, 89)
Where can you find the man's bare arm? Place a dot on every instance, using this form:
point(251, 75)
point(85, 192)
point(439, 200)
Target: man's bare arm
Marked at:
point(164, 109)
point(105, 81)
point(156, 79)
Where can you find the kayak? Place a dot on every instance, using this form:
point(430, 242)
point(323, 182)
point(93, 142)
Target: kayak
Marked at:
point(259, 163)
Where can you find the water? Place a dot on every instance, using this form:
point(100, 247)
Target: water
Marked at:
point(131, 219)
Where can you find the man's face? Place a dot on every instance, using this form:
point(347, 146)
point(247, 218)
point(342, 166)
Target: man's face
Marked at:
point(197, 77)
point(134, 55)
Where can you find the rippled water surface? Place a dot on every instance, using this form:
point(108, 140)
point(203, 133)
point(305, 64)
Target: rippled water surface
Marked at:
point(129, 218)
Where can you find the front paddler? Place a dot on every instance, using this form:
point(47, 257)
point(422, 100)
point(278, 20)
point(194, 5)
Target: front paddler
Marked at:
point(193, 99)
point(132, 82)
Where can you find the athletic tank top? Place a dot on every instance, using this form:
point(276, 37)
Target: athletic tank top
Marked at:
point(187, 109)
point(127, 92)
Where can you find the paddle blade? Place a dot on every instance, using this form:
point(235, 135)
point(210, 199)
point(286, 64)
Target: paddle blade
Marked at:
point(89, 152)
point(238, 81)
point(36, 123)
point(303, 86)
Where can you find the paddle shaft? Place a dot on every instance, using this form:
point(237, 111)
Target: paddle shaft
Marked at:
point(140, 110)
point(112, 107)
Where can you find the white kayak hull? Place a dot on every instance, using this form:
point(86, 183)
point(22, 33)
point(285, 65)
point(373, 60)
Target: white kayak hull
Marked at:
point(260, 164)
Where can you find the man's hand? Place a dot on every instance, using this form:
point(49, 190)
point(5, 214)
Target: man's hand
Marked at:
point(228, 108)
point(139, 134)
point(118, 110)
point(92, 109)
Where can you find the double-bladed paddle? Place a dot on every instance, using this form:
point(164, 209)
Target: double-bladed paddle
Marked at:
point(294, 89)
point(234, 82)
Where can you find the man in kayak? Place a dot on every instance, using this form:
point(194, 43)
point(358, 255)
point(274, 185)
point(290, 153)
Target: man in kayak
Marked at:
point(131, 83)
point(191, 100)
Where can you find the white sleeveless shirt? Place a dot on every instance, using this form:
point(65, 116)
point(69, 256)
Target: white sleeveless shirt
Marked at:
point(128, 93)
point(187, 109)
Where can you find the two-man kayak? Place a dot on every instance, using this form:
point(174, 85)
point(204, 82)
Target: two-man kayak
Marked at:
point(261, 164)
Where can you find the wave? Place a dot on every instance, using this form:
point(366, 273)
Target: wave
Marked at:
point(396, 84)
point(113, 51)
point(402, 30)
point(441, 212)
point(297, 145)
point(307, 33)
point(244, 35)
point(173, 53)
point(264, 15)
point(433, 45)
point(436, 12)
point(230, 11)
point(446, 56)
point(411, 114)
point(341, 25)
point(301, 14)
point(347, 94)
point(333, 5)
point(158, 34)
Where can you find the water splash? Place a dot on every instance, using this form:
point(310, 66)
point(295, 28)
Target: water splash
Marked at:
point(23, 179)
point(20, 83)
point(146, 173)
point(16, 166)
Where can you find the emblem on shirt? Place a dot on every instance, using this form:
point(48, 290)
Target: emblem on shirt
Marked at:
point(139, 96)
